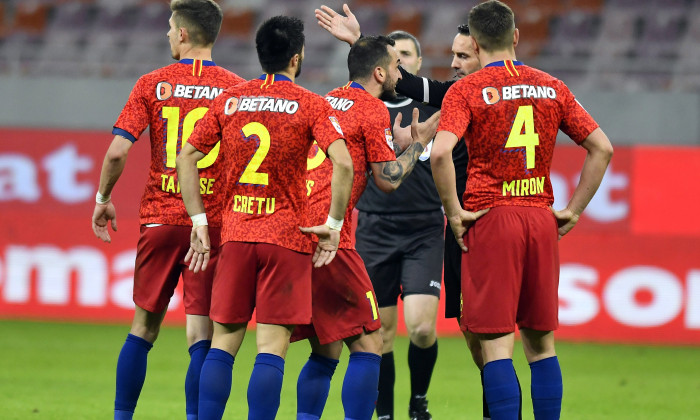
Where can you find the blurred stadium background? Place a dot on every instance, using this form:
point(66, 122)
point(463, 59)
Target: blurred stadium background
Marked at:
point(630, 270)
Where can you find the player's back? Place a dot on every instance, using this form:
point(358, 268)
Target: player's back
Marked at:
point(267, 128)
point(367, 128)
point(171, 100)
point(514, 113)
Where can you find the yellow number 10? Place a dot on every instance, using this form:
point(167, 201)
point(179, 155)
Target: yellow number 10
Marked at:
point(522, 134)
point(172, 115)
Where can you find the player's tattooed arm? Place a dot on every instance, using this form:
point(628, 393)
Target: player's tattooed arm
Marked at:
point(395, 171)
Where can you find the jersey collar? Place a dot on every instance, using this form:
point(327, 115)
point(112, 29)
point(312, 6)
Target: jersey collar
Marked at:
point(275, 78)
point(191, 61)
point(502, 63)
point(353, 85)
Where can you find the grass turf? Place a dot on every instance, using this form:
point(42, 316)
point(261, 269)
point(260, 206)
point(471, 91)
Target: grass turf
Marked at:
point(66, 371)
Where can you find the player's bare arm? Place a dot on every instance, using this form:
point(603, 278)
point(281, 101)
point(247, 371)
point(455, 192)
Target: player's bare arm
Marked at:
point(444, 175)
point(188, 176)
point(112, 168)
point(600, 152)
point(341, 187)
point(345, 28)
point(389, 175)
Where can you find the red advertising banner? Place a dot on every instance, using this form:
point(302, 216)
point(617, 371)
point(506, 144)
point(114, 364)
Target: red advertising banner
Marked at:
point(630, 269)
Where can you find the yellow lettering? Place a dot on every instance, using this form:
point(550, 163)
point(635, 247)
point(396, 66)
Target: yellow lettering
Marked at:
point(202, 185)
point(261, 200)
point(164, 178)
point(525, 187)
point(270, 205)
point(309, 186)
point(237, 203)
point(508, 187)
point(171, 185)
point(249, 206)
point(540, 185)
point(517, 188)
point(209, 186)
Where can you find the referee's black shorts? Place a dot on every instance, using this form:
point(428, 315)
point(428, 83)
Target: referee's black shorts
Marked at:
point(452, 276)
point(403, 253)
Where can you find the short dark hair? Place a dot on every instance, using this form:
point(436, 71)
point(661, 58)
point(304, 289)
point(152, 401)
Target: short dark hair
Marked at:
point(201, 18)
point(463, 29)
point(397, 35)
point(492, 24)
point(277, 40)
point(368, 53)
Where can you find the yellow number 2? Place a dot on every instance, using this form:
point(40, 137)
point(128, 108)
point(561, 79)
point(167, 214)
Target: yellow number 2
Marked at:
point(522, 134)
point(373, 304)
point(250, 174)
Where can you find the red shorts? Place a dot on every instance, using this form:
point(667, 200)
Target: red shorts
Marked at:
point(160, 260)
point(511, 273)
point(273, 280)
point(343, 300)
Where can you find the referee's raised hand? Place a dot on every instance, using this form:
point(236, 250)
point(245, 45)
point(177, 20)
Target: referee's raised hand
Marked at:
point(345, 28)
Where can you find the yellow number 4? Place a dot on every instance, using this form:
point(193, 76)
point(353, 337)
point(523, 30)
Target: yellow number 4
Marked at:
point(522, 134)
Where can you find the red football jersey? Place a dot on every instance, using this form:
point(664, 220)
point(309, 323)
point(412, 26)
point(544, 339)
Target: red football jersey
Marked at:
point(509, 115)
point(266, 127)
point(171, 100)
point(367, 127)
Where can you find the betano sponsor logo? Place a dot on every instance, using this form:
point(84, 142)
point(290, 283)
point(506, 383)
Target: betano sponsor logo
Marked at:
point(267, 104)
point(492, 95)
point(340, 104)
point(164, 90)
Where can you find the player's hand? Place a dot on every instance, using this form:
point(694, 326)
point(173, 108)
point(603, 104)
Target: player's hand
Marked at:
point(402, 135)
point(461, 222)
point(328, 240)
point(345, 28)
point(103, 214)
point(566, 220)
point(200, 247)
point(424, 132)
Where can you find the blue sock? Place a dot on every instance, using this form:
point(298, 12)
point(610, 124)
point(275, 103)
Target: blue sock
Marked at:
point(547, 388)
point(215, 384)
point(313, 385)
point(198, 352)
point(501, 389)
point(360, 387)
point(131, 373)
point(265, 387)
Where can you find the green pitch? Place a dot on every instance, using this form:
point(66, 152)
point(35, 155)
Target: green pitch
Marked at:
point(66, 371)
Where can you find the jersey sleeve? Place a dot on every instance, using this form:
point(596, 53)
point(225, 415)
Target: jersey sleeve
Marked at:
point(134, 117)
point(326, 127)
point(207, 131)
point(456, 115)
point(378, 137)
point(422, 89)
point(577, 122)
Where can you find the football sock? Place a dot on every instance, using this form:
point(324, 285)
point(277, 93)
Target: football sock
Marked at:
point(313, 385)
point(265, 387)
point(421, 363)
point(198, 351)
point(485, 407)
point(215, 384)
point(387, 377)
point(131, 373)
point(501, 389)
point(359, 393)
point(547, 388)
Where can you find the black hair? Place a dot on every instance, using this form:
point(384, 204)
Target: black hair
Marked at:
point(463, 29)
point(201, 18)
point(492, 25)
point(366, 54)
point(277, 40)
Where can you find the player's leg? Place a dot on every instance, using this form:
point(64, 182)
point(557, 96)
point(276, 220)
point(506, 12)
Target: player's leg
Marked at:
point(156, 274)
point(199, 329)
point(315, 378)
point(387, 370)
point(537, 314)
point(132, 362)
point(500, 382)
point(360, 386)
point(216, 375)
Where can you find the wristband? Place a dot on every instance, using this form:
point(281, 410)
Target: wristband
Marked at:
point(334, 224)
point(101, 199)
point(199, 220)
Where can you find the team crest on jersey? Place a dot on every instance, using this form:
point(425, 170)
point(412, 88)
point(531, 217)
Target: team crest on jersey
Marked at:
point(491, 95)
point(231, 105)
point(164, 90)
point(389, 137)
point(336, 125)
